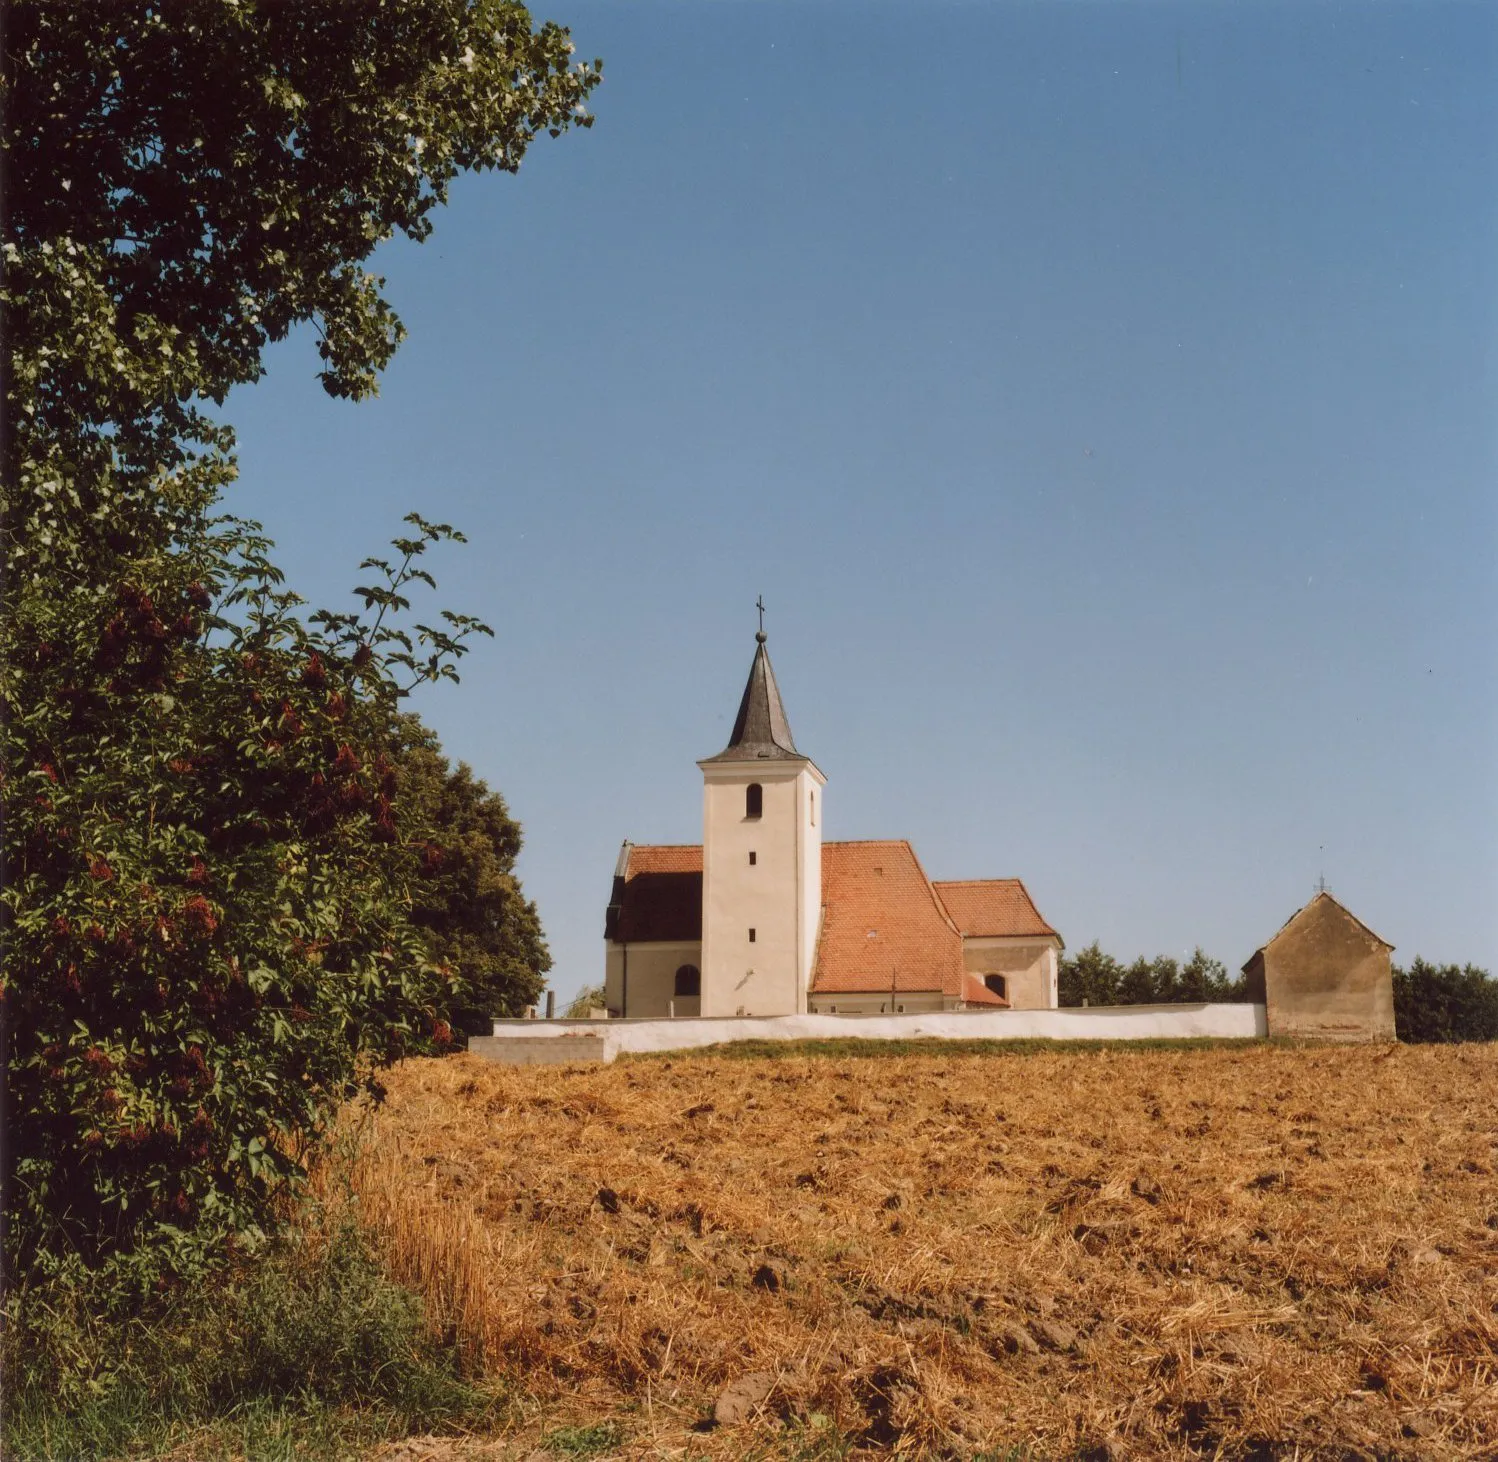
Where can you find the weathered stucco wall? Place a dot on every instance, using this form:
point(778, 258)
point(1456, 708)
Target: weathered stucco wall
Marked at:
point(1327, 978)
point(1027, 965)
point(651, 977)
point(899, 1003)
point(1113, 1023)
point(778, 896)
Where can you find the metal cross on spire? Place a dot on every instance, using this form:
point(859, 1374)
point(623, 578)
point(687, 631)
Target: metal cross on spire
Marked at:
point(759, 604)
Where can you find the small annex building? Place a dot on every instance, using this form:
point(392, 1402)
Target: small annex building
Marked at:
point(765, 918)
point(1325, 976)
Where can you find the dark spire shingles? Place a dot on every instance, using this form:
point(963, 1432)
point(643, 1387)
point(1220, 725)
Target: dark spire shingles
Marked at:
point(761, 731)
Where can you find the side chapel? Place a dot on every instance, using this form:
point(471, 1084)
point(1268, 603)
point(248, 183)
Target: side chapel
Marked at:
point(764, 918)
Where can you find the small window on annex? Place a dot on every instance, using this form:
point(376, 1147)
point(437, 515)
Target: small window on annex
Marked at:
point(754, 800)
point(688, 981)
point(997, 985)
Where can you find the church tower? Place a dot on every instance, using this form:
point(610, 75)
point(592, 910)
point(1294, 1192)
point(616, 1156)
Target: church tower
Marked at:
point(761, 860)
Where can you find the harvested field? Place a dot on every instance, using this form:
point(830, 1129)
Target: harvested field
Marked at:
point(1234, 1251)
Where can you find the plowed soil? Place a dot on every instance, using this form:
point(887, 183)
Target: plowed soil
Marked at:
point(1238, 1251)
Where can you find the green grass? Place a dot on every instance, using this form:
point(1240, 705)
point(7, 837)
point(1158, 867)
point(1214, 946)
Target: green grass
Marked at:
point(584, 1441)
point(855, 1048)
point(312, 1352)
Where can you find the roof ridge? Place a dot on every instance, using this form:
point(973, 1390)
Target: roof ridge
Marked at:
point(1321, 893)
point(936, 899)
point(958, 882)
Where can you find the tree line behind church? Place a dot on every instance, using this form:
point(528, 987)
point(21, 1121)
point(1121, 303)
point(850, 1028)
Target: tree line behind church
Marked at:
point(1432, 1003)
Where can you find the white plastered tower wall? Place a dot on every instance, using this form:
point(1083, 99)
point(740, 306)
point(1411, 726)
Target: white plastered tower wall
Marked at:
point(760, 873)
point(761, 859)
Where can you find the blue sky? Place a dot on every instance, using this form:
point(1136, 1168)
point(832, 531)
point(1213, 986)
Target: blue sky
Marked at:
point(1100, 395)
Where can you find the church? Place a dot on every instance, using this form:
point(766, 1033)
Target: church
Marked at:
point(765, 918)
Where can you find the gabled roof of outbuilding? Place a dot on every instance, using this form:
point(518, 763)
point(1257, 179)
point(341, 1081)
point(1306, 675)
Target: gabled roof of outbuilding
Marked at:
point(1341, 908)
point(761, 731)
point(992, 908)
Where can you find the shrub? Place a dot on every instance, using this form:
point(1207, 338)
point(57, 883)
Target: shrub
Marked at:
point(209, 875)
point(208, 885)
point(1434, 1003)
point(314, 1325)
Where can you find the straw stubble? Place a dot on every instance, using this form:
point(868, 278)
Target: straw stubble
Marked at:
point(1146, 1253)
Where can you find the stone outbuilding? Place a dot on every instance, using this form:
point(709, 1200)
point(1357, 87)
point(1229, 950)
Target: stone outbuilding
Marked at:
point(1325, 976)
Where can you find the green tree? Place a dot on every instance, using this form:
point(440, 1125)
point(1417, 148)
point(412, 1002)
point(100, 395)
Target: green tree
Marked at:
point(1102, 980)
point(590, 997)
point(208, 884)
point(468, 901)
point(1139, 984)
point(1201, 978)
point(1445, 1003)
point(1089, 977)
point(210, 871)
point(201, 177)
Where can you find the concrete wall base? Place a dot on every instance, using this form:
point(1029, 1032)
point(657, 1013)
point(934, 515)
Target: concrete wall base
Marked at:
point(519, 1050)
point(512, 1038)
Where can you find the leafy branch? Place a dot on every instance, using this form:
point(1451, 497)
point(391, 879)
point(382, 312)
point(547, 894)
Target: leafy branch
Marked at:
point(427, 653)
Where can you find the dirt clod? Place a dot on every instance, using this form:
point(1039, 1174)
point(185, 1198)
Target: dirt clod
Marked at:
point(1147, 1188)
point(740, 1399)
point(1054, 1334)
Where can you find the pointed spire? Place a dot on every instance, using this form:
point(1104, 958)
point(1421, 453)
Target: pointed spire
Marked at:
point(760, 731)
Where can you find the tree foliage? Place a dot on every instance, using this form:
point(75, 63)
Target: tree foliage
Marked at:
point(590, 997)
point(210, 871)
point(1445, 1003)
point(208, 175)
point(209, 878)
point(1095, 978)
point(468, 902)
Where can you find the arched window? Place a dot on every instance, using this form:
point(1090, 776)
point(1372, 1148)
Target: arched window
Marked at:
point(813, 809)
point(997, 985)
point(688, 981)
point(754, 800)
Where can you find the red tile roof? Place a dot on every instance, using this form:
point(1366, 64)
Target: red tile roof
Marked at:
point(882, 926)
point(664, 858)
point(975, 992)
point(885, 925)
point(991, 907)
point(661, 894)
